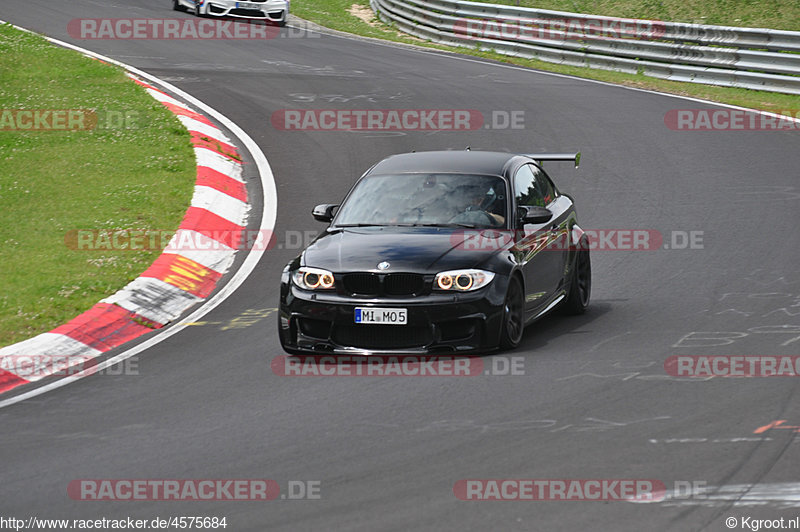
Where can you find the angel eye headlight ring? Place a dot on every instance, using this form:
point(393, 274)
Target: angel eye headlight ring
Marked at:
point(313, 279)
point(462, 280)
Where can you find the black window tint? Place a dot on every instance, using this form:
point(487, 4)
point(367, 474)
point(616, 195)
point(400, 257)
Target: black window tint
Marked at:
point(404, 199)
point(544, 185)
point(526, 188)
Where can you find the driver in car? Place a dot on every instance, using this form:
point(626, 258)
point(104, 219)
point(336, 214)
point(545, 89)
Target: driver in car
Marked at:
point(480, 206)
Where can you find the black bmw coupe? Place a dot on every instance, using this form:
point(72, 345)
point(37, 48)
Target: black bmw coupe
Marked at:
point(437, 252)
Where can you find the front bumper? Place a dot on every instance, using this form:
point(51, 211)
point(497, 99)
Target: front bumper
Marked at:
point(272, 10)
point(324, 323)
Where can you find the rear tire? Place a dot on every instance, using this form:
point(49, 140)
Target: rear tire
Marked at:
point(580, 285)
point(177, 6)
point(513, 316)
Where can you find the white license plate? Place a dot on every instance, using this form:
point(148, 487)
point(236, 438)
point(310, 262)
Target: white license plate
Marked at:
point(384, 316)
point(248, 5)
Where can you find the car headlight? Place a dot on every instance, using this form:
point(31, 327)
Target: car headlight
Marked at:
point(313, 278)
point(462, 280)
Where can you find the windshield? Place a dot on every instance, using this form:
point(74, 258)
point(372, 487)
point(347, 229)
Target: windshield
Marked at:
point(426, 200)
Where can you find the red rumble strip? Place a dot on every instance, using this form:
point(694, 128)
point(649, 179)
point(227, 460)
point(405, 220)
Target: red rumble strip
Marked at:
point(171, 285)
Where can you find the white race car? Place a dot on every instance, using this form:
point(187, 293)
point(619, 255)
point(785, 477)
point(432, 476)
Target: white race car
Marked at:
point(275, 11)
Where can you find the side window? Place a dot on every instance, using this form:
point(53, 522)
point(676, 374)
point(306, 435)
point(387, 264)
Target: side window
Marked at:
point(544, 185)
point(526, 189)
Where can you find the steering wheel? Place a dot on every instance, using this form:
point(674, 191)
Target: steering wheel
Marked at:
point(476, 217)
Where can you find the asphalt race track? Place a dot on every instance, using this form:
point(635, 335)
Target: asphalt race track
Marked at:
point(594, 400)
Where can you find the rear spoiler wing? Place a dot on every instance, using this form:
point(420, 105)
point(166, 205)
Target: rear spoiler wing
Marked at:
point(542, 157)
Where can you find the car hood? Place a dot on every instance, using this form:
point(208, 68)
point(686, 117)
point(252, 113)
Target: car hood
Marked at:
point(412, 249)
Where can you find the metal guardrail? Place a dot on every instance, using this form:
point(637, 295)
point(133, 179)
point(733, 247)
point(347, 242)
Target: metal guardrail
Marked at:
point(751, 58)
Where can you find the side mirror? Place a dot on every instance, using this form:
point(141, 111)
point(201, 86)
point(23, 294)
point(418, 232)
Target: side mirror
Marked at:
point(533, 214)
point(324, 212)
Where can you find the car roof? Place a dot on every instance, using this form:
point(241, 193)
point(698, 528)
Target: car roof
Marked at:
point(449, 161)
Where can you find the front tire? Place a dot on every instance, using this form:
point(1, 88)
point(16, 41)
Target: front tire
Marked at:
point(197, 11)
point(580, 286)
point(513, 315)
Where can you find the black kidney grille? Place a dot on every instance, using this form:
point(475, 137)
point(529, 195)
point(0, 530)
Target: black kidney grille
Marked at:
point(391, 284)
point(403, 284)
point(364, 284)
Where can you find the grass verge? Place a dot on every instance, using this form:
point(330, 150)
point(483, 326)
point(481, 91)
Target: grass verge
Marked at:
point(357, 18)
point(134, 169)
